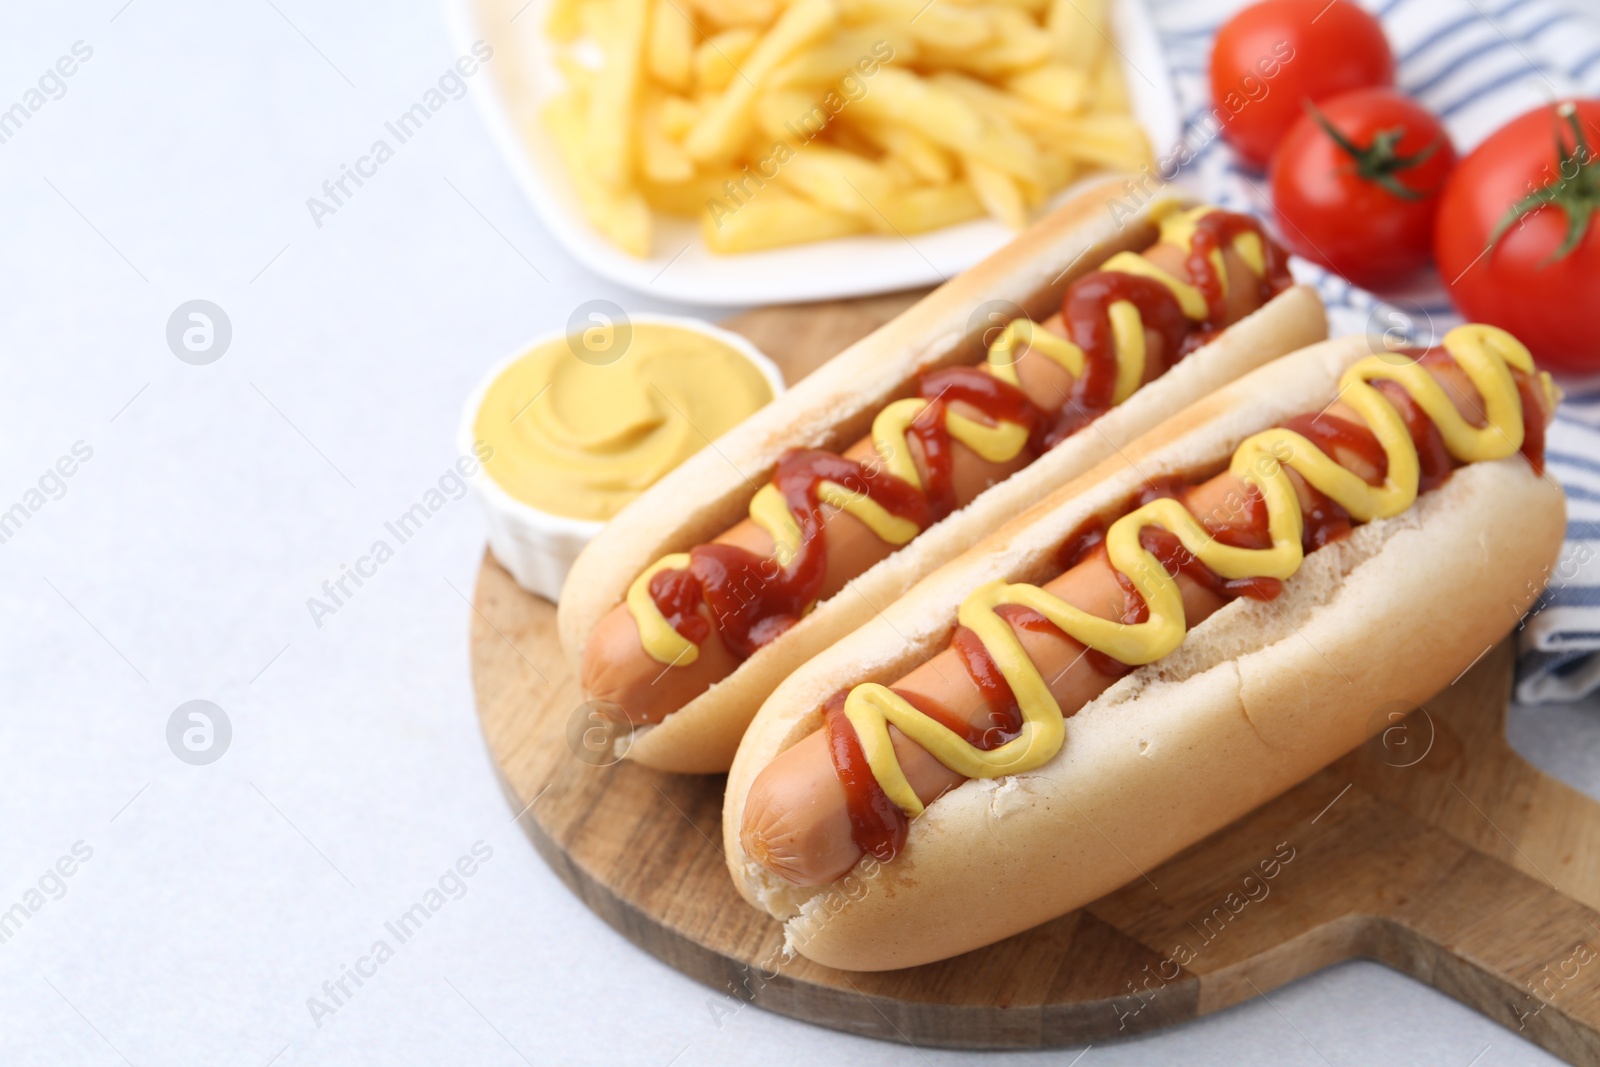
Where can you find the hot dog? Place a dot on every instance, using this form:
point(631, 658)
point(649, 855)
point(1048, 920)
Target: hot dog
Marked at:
point(1178, 636)
point(703, 594)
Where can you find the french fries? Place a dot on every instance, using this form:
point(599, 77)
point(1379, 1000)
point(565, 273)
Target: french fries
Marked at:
point(776, 122)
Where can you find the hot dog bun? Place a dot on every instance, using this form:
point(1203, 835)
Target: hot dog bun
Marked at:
point(837, 403)
point(1256, 698)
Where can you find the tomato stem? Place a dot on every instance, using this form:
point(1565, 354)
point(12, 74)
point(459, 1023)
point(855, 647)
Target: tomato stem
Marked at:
point(1380, 162)
point(1575, 189)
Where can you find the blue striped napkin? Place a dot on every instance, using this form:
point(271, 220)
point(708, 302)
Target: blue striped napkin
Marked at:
point(1476, 67)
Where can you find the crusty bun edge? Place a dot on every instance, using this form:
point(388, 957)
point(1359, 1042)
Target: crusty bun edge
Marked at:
point(1259, 696)
point(835, 404)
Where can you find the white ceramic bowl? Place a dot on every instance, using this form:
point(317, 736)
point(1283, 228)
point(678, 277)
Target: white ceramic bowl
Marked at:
point(538, 548)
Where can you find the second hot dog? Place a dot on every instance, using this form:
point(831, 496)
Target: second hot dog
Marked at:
point(1357, 491)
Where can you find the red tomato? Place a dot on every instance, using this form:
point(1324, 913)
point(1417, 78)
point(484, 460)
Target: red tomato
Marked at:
point(1273, 56)
point(1356, 184)
point(1541, 278)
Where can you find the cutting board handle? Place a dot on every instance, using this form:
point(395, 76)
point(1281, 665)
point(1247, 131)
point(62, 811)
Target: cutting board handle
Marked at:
point(1508, 944)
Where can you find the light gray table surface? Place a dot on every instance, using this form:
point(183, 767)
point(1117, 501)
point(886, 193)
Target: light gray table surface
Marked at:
point(176, 561)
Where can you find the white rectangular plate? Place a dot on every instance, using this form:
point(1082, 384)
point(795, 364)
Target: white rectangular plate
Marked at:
point(682, 268)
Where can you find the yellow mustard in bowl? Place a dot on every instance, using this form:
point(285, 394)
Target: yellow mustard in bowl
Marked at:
point(579, 430)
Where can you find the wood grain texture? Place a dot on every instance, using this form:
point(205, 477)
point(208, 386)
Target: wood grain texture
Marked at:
point(1434, 849)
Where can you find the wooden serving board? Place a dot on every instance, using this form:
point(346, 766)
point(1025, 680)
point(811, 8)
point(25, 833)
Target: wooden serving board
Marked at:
point(1434, 849)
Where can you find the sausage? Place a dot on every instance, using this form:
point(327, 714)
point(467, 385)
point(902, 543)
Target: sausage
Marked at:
point(616, 671)
point(796, 820)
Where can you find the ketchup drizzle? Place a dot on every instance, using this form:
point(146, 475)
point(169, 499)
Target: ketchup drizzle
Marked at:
point(1533, 428)
point(999, 402)
point(1080, 542)
point(877, 825)
point(1332, 434)
point(1216, 231)
point(678, 597)
point(753, 598)
point(1085, 310)
point(1004, 720)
